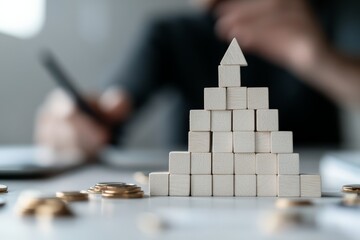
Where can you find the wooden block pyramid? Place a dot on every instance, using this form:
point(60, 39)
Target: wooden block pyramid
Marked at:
point(235, 147)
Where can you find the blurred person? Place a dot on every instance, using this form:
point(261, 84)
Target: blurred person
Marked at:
point(289, 48)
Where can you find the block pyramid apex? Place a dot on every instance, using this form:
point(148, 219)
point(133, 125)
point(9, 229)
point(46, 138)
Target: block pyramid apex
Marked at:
point(234, 55)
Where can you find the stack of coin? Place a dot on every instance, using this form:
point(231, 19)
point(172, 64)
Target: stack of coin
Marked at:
point(117, 190)
point(351, 195)
point(3, 189)
point(283, 203)
point(73, 196)
point(43, 206)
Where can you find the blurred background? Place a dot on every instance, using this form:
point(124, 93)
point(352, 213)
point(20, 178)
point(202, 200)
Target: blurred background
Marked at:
point(88, 36)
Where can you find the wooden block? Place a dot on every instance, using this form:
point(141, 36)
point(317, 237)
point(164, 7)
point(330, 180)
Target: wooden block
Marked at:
point(281, 142)
point(310, 186)
point(223, 185)
point(288, 185)
point(223, 163)
point(199, 141)
point(159, 183)
point(220, 121)
point(236, 98)
point(222, 142)
point(201, 185)
point(262, 142)
point(288, 163)
point(199, 120)
point(266, 185)
point(244, 163)
point(179, 185)
point(244, 142)
point(201, 163)
point(245, 185)
point(258, 98)
point(179, 163)
point(267, 120)
point(215, 98)
point(243, 120)
point(233, 55)
point(229, 76)
point(266, 163)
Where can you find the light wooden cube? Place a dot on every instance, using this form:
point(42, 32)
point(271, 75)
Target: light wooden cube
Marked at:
point(236, 98)
point(199, 141)
point(215, 98)
point(222, 142)
point(229, 76)
point(258, 98)
point(201, 185)
point(310, 185)
point(266, 185)
point(288, 163)
point(281, 142)
point(243, 120)
point(267, 120)
point(244, 163)
point(288, 185)
point(223, 163)
point(179, 185)
point(179, 163)
point(245, 185)
point(244, 142)
point(159, 183)
point(262, 142)
point(266, 163)
point(223, 185)
point(220, 121)
point(201, 163)
point(199, 120)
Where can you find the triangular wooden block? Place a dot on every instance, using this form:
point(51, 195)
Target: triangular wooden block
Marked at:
point(234, 55)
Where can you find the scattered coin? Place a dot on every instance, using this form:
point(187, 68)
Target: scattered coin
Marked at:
point(3, 189)
point(40, 205)
point(150, 223)
point(141, 178)
point(287, 203)
point(351, 188)
point(2, 202)
point(72, 196)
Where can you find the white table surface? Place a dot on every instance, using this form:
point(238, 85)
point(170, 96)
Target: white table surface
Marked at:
point(185, 217)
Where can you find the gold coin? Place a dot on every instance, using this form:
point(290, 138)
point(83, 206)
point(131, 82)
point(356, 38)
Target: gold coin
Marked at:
point(3, 188)
point(351, 188)
point(104, 184)
point(287, 203)
point(122, 190)
point(72, 196)
point(128, 195)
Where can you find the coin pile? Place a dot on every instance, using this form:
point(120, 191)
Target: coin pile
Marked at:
point(283, 203)
point(117, 190)
point(73, 196)
point(351, 195)
point(43, 206)
point(3, 189)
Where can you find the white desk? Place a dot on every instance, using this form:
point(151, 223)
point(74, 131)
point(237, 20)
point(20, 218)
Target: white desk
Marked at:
point(186, 217)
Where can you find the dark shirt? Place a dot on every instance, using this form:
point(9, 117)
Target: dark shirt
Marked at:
point(184, 52)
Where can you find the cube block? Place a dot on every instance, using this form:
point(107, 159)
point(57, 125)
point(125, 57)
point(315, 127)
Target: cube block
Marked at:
point(266, 163)
point(281, 142)
point(244, 163)
point(199, 141)
point(215, 98)
point(220, 121)
point(179, 163)
point(199, 120)
point(236, 98)
point(179, 185)
point(310, 186)
point(288, 163)
point(244, 142)
point(288, 185)
point(222, 142)
point(243, 120)
point(201, 185)
point(262, 142)
point(267, 120)
point(159, 183)
point(245, 185)
point(266, 185)
point(201, 163)
point(258, 98)
point(223, 163)
point(223, 185)
point(229, 76)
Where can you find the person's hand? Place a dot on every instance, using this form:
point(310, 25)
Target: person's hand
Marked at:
point(283, 31)
point(63, 129)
